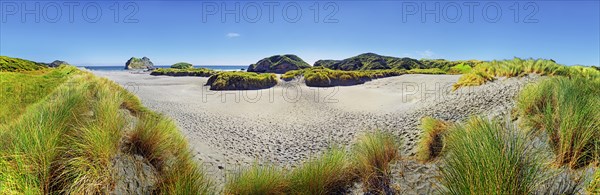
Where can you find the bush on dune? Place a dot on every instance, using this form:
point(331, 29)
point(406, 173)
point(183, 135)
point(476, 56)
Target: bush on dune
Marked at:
point(426, 71)
point(488, 157)
point(431, 143)
point(241, 81)
point(201, 72)
point(567, 111)
point(182, 65)
point(594, 186)
point(461, 68)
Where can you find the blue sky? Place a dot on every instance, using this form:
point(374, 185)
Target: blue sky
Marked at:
point(206, 33)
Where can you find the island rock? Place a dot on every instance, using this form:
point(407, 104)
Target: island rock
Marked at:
point(278, 64)
point(137, 63)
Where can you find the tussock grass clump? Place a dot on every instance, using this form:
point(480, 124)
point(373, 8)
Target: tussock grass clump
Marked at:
point(183, 71)
point(157, 139)
point(488, 157)
point(373, 154)
point(431, 143)
point(330, 173)
point(257, 179)
point(241, 81)
point(567, 111)
point(323, 77)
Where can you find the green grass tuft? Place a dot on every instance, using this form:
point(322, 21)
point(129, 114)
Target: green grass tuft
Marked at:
point(8, 64)
point(373, 155)
point(567, 111)
point(330, 173)
point(488, 157)
point(431, 143)
point(200, 72)
point(257, 179)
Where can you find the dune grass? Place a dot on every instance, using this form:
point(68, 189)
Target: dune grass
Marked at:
point(373, 154)
point(329, 173)
point(8, 64)
point(21, 89)
point(489, 157)
point(235, 80)
point(567, 111)
point(594, 186)
point(426, 71)
point(257, 179)
point(157, 139)
point(66, 141)
point(431, 143)
point(517, 67)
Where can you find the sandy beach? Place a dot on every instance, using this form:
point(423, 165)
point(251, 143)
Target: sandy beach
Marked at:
point(290, 122)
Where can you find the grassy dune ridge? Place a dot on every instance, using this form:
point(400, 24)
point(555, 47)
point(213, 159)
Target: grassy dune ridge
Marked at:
point(66, 141)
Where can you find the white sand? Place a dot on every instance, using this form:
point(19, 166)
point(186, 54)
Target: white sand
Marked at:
point(288, 123)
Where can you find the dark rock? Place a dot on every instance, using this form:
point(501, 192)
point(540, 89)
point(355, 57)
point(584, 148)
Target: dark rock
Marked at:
point(137, 63)
point(57, 63)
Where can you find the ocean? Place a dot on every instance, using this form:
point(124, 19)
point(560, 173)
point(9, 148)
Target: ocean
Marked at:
point(122, 68)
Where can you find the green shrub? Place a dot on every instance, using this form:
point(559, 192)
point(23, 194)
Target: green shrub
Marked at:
point(330, 173)
point(257, 180)
point(241, 81)
point(182, 65)
point(289, 75)
point(373, 155)
point(567, 111)
point(488, 157)
point(431, 143)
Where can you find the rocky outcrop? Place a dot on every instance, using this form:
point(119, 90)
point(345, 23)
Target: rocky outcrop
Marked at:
point(137, 63)
point(57, 63)
point(278, 64)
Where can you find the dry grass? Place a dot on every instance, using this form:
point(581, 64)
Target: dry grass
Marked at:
point(373, 155)
point(258, 179)
point(431, 143)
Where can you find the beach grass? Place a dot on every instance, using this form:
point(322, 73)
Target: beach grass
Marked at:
point(426, 71)
point(235, 80)
point(373, 155)
point(594, 185)
point(431, 143)
point(490, 157)
point(566, 110)
point(258, 179)
point(157, 139)
point(66, 141)
point(330, 173)
point(461, 68)
point(517, 67)
point(8, 64)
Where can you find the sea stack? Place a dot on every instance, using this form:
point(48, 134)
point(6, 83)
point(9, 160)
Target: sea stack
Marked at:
point(136, 63)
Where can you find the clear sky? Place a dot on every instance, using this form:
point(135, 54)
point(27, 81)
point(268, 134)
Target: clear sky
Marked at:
point(207, 33)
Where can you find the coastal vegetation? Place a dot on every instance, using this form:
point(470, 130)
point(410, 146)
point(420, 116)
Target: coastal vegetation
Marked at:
point(200, 72)
point(488, 71)
point(371, 61)
point(332, 172)
point(567, 111)
point(67, 139)
point(432, 142)
point(8, 64)
point(279, 64)
point(235, 80)
point(488, 157)
point(182, 65)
